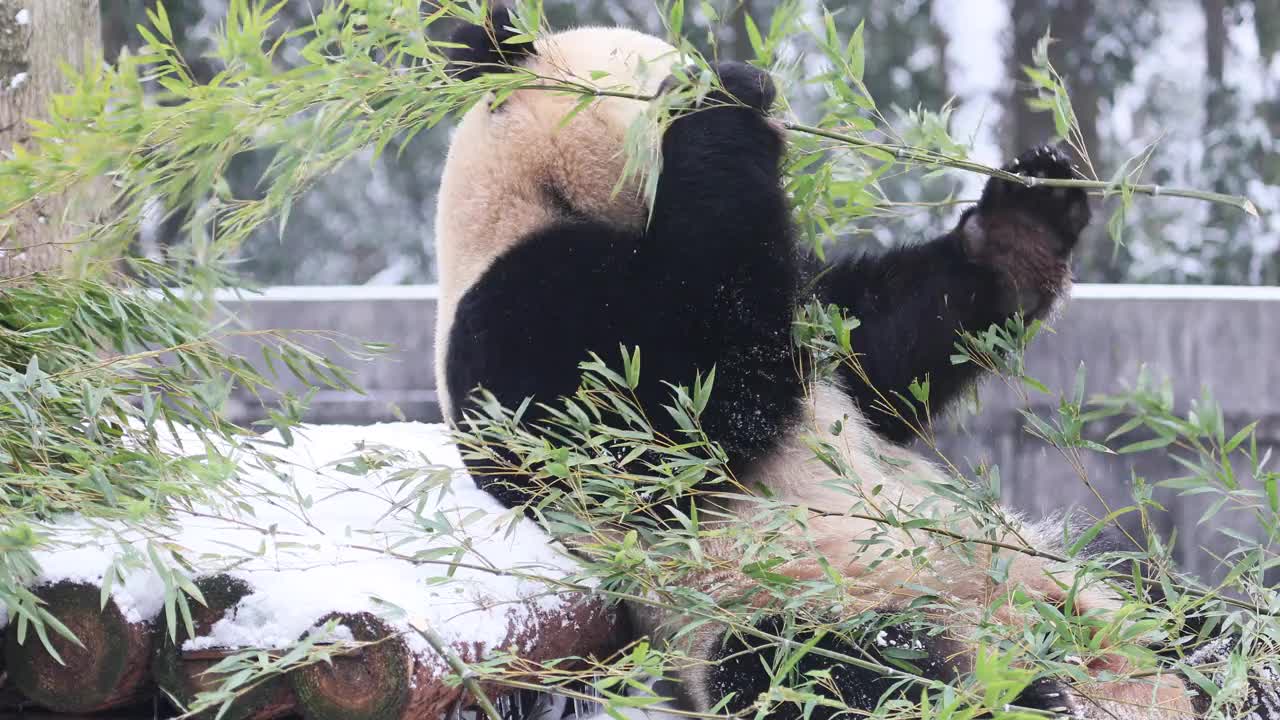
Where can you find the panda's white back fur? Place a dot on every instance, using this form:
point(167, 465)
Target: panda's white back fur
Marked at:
point(492, 192)
point(901, 478)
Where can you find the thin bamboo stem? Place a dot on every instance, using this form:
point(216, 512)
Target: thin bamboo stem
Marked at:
point(468, 676)
point(906, 152)
point(1096, 187)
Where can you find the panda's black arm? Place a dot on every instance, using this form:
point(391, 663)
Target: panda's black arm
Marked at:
point(718, 276)
point(911, 302)
point(719, 199)
point(1008, 254)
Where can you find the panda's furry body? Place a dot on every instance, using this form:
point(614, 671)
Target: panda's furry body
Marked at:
point(542, 262)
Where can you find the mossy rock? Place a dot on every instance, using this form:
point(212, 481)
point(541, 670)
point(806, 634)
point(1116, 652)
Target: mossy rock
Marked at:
point(108, 669)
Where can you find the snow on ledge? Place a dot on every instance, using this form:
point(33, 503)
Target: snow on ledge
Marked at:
point(1080, 291)
point(1126, 291)
point(331, 293)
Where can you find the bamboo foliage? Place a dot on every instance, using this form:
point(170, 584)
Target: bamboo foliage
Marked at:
point(100, 369)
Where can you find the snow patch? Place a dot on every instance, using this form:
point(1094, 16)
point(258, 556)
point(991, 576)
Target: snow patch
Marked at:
point(23, 17)
point(18, 80)
point(977, 35)
point(310, 545)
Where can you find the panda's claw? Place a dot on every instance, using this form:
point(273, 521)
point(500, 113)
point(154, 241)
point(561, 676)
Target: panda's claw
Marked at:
point(1064, 209)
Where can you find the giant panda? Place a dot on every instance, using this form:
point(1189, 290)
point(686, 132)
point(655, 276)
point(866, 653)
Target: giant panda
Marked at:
point(542, 260)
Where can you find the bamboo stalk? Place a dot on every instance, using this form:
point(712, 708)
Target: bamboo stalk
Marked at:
point(929, 157)
point(459, 667)
point(1095, 187)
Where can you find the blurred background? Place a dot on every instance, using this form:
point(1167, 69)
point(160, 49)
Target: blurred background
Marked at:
point(1198, 77)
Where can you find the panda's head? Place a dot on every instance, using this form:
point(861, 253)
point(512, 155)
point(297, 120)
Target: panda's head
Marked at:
point(517, 166)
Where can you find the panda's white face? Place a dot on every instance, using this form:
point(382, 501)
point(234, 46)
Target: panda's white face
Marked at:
point(516, 169)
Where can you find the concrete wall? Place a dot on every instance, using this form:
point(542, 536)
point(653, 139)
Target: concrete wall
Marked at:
point(1220, 338)
point(401, 316)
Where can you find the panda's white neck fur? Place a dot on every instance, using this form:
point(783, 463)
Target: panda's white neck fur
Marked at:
point(795, 473)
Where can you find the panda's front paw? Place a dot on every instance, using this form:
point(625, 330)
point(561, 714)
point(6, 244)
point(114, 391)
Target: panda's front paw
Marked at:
point(747, 85)
point(1065, 210)
point(739, 84)
point(1026, 233)
point(1051, 696)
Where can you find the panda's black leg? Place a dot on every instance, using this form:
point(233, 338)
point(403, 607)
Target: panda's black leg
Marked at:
point(1008, 254)
point(1052, 696)
point(719, 199)
point(911, 302)
point(717, 269)
point(746, 667)
point(1263, 694)
point(719, 212)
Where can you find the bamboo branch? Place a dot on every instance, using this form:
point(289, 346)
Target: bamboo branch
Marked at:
point(1100, 188)
point(1095, 187)
point(467, 675)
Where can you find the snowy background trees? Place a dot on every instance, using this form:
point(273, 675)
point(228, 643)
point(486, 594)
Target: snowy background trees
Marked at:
point(1198, 78)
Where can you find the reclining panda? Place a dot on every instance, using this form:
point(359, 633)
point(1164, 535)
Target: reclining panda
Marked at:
point(542, 262)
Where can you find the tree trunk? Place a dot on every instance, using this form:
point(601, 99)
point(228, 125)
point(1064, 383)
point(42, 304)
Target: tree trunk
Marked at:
point(1096, 258)
point(1215, 50)
point(183, 673)
point(1068, 21)
point(107, 669)
point(36, 38)
point(1215, 37)
point(385, 680)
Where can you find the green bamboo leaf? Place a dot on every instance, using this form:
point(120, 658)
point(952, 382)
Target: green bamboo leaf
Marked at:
point(757, 43)
point(1243, 434)
point(856, 53)
point(1088, 535)
point(1153, 444)
point(675, 18)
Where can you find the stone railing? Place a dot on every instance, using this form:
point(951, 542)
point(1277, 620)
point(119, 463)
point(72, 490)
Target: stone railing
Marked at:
point(1220, 338)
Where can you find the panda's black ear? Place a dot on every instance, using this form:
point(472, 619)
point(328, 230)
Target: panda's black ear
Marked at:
point(484, 49)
